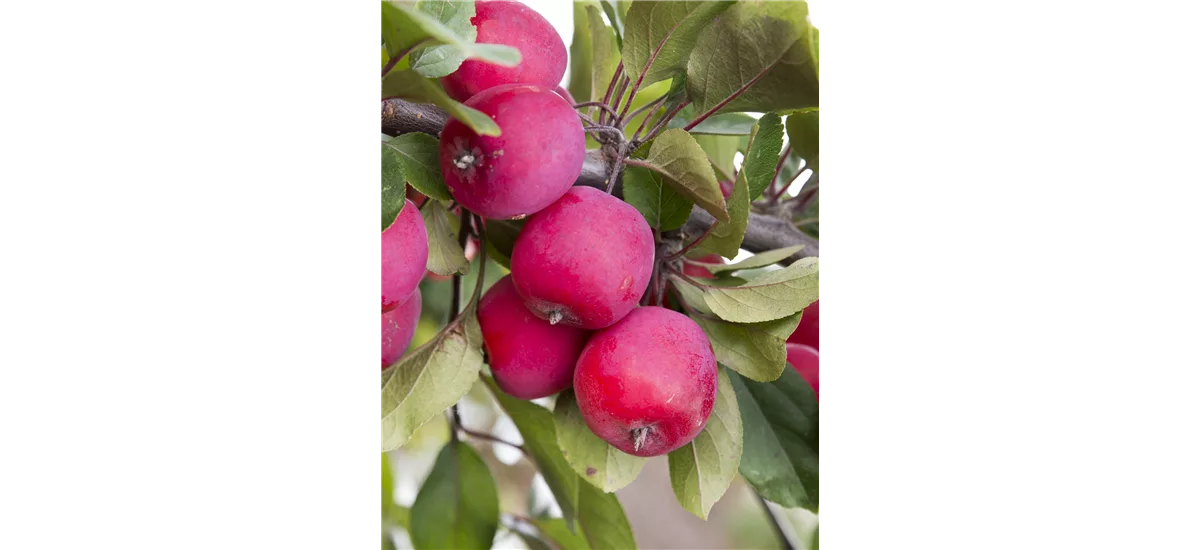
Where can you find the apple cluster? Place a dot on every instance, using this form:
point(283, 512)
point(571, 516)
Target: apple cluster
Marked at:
point(568, 315)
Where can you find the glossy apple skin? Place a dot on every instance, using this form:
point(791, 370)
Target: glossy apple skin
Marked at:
point(543, 53)
point(698, 272)
point(654, 369)
point(565, 94)
point(536, 159)
point(587, 257)
point(399, 325)
point(804, 359)
point(405, 251)
point(529, 357)
point(808, 331)
point(415, 196)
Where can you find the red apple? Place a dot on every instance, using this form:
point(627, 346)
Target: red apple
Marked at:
point(804, 359)
point(808, 331)
point(647, 384)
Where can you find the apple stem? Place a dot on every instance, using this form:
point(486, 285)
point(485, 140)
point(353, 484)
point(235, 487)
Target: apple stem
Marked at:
point(639, 437)
point(555, 316)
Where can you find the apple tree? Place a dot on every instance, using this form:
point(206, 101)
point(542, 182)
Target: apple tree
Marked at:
point(633, 258)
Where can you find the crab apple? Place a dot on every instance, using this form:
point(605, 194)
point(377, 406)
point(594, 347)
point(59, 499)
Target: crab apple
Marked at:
point(808, 331)
point(529, 357)
point(647, 384)
point(534, 161)
point(698, 272)
point(726, 188)
point(804, 359)
point(566, 95)
point(399, 325)
point(543, 54)
point(415, 196)
point(584, 261)
point(405, 251)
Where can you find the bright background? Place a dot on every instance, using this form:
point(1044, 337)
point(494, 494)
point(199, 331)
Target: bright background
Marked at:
point(737, 521)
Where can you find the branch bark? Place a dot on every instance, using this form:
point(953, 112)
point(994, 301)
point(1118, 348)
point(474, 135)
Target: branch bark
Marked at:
point(764, 232)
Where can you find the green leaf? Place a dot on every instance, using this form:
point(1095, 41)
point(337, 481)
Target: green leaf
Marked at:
point(532, 542)
point(599, 514)
point(755, 350)
point(758, 51)
point(556, 530)
point(536, 425)
point(701, 470)
point(804, 136)
point(501, 237)
point(400, 31)
point(725, 281)
point(770, 296)
point(605, 55)
point(394, 191)
point(675, 154)
point(457, 507)
point(726, 238)
point(415, 158)
point(780, 440)
point(436, 23)
point(446, 257)
point(603, 519)
point(388, 483)
point(402, 516)
point(592, 458)
point(429, 379)
point(660, 204)
point(761, 259)
point(724, 124)
point(617, 16)
point(580, 84)
point(659, 36)
point(438, 61)
point(721, 151)
point(691, 295)
point(762, 153)
point(409, 85)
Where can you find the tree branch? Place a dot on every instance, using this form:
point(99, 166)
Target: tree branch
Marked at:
point(763, 232)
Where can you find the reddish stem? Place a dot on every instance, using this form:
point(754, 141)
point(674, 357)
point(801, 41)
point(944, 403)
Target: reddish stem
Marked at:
point(779, 166)
point(612, 84)
point(686, 279)
point(489, 437)
point(621, 92)
point(639, 110)
point(603, 106)
point(661, 123)
point(726, 101)
point(807, 195)
point(783, 186)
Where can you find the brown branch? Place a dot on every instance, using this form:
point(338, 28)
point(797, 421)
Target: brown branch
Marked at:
point(763, 233)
